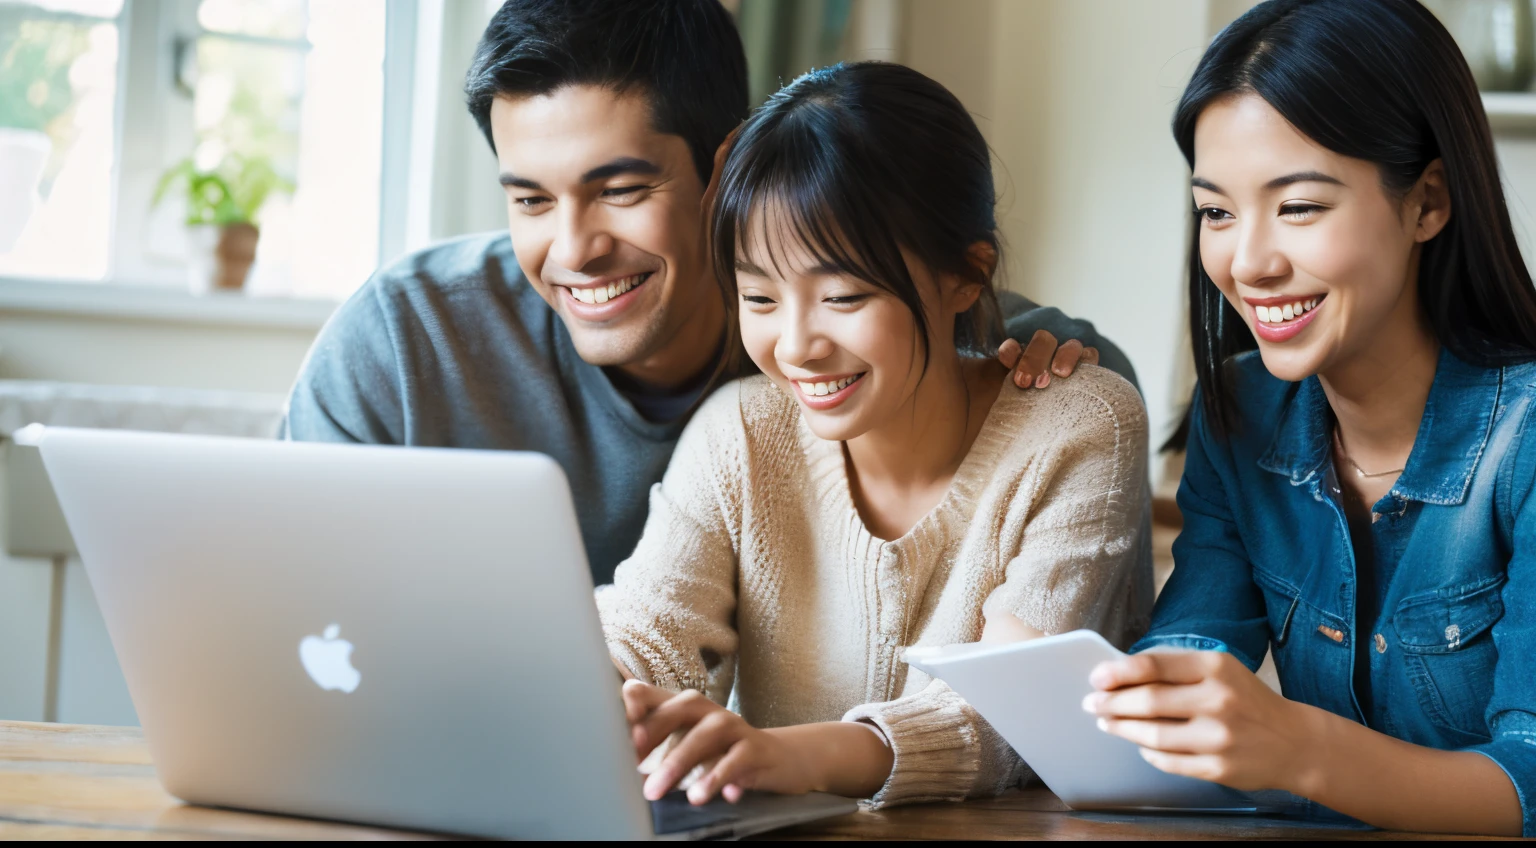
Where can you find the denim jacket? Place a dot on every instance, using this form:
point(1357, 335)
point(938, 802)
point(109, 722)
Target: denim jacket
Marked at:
point(1265, 562)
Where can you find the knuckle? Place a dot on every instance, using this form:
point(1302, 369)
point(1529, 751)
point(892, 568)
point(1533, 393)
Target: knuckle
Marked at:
point(1223, 701)
point(1144, 665)
point(1220, 735)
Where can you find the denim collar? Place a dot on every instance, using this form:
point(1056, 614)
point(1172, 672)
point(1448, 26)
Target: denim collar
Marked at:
point(1457, 420)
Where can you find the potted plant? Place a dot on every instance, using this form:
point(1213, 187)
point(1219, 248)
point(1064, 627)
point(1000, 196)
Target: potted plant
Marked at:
point(222, 207)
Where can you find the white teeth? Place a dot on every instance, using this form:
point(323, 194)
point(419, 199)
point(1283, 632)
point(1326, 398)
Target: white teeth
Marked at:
point(603, 294)
point(1288, 312)
point(821, 389)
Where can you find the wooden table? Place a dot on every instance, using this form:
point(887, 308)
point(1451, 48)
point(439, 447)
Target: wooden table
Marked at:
point(64, 781)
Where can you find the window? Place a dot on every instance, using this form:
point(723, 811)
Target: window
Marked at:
point(58, 90)
point(112, 95)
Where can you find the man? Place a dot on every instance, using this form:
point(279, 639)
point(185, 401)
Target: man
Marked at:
point(592, 329)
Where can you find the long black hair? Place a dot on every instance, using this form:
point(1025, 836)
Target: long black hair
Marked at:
point(863, 160)
point(1379, 80)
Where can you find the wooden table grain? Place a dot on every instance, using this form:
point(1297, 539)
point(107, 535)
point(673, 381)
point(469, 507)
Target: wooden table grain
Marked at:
point(60, 781)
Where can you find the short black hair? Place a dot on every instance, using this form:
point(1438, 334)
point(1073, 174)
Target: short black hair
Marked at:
point(866, 160)
point(684, 55)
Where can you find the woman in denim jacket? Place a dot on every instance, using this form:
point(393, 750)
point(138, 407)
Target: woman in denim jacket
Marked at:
point(1357, 495)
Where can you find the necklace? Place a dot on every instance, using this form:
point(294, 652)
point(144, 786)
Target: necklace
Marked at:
point(1359, 472)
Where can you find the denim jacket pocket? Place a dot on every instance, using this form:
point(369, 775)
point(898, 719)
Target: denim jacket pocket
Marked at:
point(1288, 615)
point(1449, 655)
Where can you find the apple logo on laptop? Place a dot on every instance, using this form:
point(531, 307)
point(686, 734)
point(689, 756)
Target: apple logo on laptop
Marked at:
point(328, 660)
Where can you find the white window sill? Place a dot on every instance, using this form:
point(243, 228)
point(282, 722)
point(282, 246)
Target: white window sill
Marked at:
point(153, 303)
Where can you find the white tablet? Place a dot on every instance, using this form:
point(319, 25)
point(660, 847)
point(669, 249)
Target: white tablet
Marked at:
point(1032, 694)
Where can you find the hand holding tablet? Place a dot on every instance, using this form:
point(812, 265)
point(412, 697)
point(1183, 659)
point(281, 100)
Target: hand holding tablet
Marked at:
point(1032, 694)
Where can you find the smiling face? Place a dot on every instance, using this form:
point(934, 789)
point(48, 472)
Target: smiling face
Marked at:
point(605, 220)
point(848, 351)
point(1306, 244)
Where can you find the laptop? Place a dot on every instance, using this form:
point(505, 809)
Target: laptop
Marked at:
point(390, 636)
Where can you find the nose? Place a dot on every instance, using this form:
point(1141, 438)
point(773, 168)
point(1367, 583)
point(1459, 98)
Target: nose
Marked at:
point(579, 238)
point(1257, 259)
point(800, 342)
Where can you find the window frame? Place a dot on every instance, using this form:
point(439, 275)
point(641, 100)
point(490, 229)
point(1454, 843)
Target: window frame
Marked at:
point(152, 37)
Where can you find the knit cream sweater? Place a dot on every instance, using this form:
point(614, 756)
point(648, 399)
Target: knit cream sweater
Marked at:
point(755, 571)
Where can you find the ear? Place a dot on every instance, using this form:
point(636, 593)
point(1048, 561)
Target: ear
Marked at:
point(965, 292)
point(963, 295)
point(1434, 196)
point(983, 257)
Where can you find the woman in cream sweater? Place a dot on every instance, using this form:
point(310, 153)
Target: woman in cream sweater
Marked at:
point(873, 489)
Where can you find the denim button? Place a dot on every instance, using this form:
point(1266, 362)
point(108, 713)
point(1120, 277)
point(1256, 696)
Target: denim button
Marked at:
point(1381, 644)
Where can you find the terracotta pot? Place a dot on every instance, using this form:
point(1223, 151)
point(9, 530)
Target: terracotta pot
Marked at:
point(221, 257)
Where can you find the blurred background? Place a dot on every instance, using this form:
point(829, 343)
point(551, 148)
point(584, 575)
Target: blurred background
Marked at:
point(188, 188)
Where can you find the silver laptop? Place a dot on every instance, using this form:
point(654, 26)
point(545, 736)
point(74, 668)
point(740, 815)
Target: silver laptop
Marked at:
point(401, 637)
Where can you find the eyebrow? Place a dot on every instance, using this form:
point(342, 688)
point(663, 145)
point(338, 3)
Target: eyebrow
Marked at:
point(622, 165)
point(823, 270)
point(1277, 182)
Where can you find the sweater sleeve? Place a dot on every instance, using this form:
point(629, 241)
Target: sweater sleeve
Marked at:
point(669, 616)
point(351, 386)
point(943, 749)
point(1081, 549)
point(1079, 558)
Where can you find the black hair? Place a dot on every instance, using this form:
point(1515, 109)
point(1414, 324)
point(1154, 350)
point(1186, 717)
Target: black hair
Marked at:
point(685, 55)
point(864, 160)
point(1382, 81)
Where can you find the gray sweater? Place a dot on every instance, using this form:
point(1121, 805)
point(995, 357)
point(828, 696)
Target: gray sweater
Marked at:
point(451, 347)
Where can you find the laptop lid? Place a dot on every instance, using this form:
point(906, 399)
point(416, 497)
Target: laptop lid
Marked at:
point(392, 636)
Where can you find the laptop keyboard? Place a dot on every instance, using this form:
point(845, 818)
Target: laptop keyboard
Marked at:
point(673, 814)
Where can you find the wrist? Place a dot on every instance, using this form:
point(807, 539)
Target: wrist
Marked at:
point(1307, 775)
point(846, 758)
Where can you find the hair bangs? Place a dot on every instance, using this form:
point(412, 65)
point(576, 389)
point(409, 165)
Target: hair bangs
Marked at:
point(789, 212)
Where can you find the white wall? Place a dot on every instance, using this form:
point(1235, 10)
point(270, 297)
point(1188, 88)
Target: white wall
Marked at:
point(1075, 97)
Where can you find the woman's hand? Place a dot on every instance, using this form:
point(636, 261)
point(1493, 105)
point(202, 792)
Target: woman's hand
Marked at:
point(842, 757)
point(1204, 714)
point(736, 755)
point(1034, 365)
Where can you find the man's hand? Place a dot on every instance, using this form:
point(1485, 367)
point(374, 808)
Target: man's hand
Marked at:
point(1034, 365)
point(1204, 714)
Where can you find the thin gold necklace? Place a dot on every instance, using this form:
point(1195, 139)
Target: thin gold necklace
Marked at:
point(1359, 472)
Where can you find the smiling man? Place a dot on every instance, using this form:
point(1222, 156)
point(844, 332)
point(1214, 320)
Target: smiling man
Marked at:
point(593, 327)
